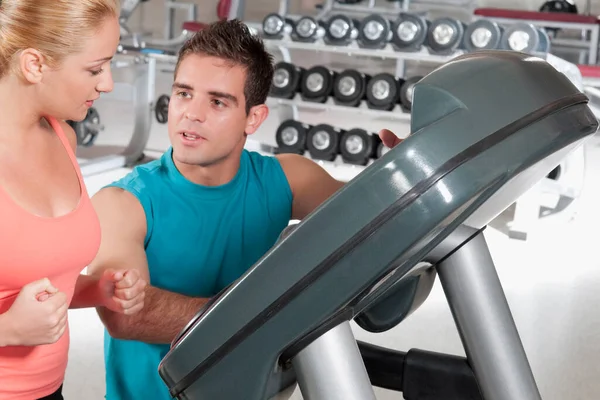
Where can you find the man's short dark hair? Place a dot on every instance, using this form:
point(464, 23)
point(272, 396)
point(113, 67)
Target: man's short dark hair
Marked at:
point(232, 41)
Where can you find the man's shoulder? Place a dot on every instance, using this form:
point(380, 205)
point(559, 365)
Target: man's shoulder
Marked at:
point(262, 163)
point(140, 176)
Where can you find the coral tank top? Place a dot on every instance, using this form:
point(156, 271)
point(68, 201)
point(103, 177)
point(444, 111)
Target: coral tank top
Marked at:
point(32, 248)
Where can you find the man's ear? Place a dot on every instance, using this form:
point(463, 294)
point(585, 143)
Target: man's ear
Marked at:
point(256, 117)
point(31, 65)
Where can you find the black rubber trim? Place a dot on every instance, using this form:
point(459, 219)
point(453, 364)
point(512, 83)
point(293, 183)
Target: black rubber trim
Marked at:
point(402, 203)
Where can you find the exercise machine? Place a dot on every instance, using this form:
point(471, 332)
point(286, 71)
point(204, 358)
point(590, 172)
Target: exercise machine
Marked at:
point(370, 253)
point(134, 78)
point(170, 39)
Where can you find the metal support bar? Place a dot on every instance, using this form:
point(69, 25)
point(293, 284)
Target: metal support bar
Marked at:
point(331, 368)
point(485, 323)
point(170, 7)
point(237, 9)
point(142, 76)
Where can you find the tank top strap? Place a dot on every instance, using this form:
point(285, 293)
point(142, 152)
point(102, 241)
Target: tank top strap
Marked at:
point(67, 145)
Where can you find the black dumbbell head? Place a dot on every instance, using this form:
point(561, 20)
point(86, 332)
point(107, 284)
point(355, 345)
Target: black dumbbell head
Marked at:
point(161, 110)
point(521, 37)
point(291, 137)
point(374, 32)
point(340, 29)
point(317, 84)
point(306, 29)
point(286, 80)
point(445, 35)
point(383, 91)
point(350, 87)
point(482, 34)
point(356, 146)
point(273, 25)
point(409, 31)
point(323, 142)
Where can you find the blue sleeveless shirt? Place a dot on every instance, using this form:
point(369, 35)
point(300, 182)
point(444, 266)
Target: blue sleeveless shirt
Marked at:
point(199, 239)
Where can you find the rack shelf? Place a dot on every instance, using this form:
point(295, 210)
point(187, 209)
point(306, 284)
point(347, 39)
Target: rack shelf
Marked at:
point(353, 49)
point(337, 168)
point(397, 114)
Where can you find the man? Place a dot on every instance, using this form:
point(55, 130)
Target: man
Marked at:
point(195, 220)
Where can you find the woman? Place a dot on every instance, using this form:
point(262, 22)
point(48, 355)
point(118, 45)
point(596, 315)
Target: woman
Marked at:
point(54, 62)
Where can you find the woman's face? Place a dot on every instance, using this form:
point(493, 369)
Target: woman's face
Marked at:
point(68, 91)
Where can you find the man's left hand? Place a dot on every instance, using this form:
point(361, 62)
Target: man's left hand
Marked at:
point(122, 291)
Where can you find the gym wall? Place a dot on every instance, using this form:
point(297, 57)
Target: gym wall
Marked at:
point(150, 16)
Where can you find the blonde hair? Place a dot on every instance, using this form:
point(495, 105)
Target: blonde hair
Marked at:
point(56, 28)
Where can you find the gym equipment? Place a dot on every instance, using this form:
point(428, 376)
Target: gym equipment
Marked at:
point(357, 146)
point(127, 8)
point(134, 79)
point(87, 130)
point(525, 38)
point(374, 32)
point(382, 149)
point(144, 40)
point(406, 92)
point(427, 200)
point(161, 111)
point(286, 80)
point(445, 35)
point(563, 6)
point(291, 137)
point(482, 34)
point(340, 30)
point(274, 26)
point(307, 29)
point(317, 84)
point(409, 32)
point(323, 142)
point(350, 87)
point(383, 91)
point(558, 6)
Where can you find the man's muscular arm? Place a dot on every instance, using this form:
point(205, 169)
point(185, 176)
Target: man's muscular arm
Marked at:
point(123, 225)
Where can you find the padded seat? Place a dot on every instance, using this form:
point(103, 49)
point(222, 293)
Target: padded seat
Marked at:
point(535, 15)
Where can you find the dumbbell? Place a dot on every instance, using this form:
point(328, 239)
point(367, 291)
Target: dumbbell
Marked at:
point(323, 142)
point(445, 35)
point(350, 87)
point(317, 84)
point(307, 29)
point(161, 110)
point(406, 92)
point(291, 137)
point(482, 34)
point(383, 91)
point(357, 146)
point(286, 80)
point(525, 38)
point(558, 6)
point(340, 30)
point(274, 26)
point(87, 131)
point(381, 150)
point(409, 32)
point(374, 32)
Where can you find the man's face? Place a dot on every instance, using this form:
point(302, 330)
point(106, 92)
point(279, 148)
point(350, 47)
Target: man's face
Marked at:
point(207, 111)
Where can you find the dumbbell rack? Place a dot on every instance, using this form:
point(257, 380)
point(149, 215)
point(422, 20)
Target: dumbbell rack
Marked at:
point(289, 108)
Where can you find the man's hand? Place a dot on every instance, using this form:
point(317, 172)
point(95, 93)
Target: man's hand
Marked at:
point(389, 138)
point(122, 291)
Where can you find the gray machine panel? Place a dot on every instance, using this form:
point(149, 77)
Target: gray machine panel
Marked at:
point(486, 127)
